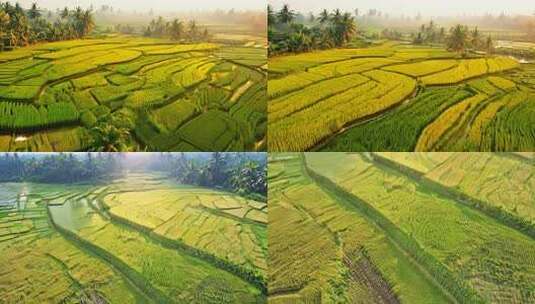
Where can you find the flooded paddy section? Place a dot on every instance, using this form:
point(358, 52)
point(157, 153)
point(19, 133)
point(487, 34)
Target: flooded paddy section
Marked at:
point(83, 230)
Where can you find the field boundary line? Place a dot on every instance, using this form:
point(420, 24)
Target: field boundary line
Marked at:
point(498, 214)
point(453, 288)
point(141, 286)
point(245, 274)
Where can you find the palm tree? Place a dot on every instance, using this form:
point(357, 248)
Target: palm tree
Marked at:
point(286, 15)
point(489, 45)
point(336, 16)
point(476, 38)
point(192, 30)
point(34, 12)
point(324, 16)
point(4, 23)
point(176, 29)
point(88, 23)
point(457, 40)
point(109, 138)
point(349, 27)
point(64, 13)
point(311, 17)
point(272, 19)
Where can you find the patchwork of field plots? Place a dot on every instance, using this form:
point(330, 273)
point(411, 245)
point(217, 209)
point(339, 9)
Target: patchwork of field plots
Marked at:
point(175, 245)
point(396, 97)
point(400, 228)
point(177, 97)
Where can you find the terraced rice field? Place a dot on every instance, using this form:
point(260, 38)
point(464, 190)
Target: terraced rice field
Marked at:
point(77, 243)
point(396, 97)
point(171, 97)
point(389, 228)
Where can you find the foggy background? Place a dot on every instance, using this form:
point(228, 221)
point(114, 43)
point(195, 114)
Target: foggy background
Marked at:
point(156, 5)
point(413, 7)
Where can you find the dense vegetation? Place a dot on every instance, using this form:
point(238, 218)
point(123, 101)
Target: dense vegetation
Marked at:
point(243, 173)
point(22, 27)
point(150, 87)
point(364, 227)
point(132, 93)
point(427, 89)
point(328, 30)
point(59, 168)
point(176, 30)
point(131, 234)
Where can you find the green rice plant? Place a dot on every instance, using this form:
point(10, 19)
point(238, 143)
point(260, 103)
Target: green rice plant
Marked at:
point(173, 115)
point(90, 81)
point(502, 83)
point(23, 117)
point(310, 263)
point(216, 124)
point(410, 211)
point(423, 68)
point(84, 100)
point(451, 118)
point(147, 98)
point(306, 127)
point(15, 92)
point(399, 129)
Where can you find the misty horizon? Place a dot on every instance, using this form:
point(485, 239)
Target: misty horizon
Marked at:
point(426, 8)
point(146, 6)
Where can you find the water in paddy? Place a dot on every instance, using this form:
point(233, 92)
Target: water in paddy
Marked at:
point(73, 214)
point(14, 195)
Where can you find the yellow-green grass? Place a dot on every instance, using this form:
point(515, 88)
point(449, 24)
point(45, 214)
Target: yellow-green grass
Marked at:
point(142, 74)
point(476, 249)
point(317, 241)
point(422, 162)
point(87, 254)
point(301, 126)
point(33, 252)
point(299, 83)
point(450, 119)
point(499, 181)
point(201, 218)
point(470, 68)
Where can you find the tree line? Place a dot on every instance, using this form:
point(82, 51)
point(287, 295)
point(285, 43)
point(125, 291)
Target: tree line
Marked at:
point(59, 168)
point(459, 38)
point(328, 30)
point(22, 27)
point(176, 30)
point(242, 173)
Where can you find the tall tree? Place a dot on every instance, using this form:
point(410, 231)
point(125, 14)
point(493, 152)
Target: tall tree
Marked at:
point(286, 15)
point(458, 38)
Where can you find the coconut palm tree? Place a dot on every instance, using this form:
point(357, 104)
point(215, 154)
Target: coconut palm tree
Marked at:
point(475, 38)
point(176, 29)
point(324, 16)
point(272, 18)
point(34, 12)
point(88, 22)
point(457, 39)
point(349, 27)
point(489, 45)
point(286, 15)
point(192, 30)
point(64, 13)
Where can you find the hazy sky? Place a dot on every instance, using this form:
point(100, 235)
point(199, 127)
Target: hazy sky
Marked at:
point(412, 7)
point(157, 5)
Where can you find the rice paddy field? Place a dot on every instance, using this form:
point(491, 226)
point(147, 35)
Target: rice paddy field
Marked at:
point(401, 228)
point(400, 97)
point(176, 244)
point(169, 96)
